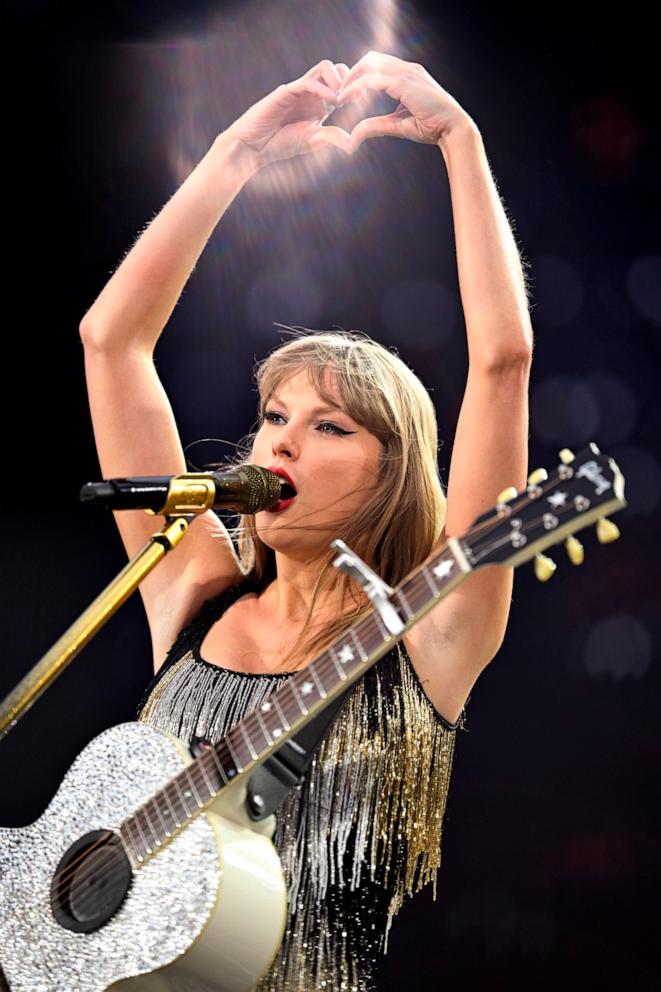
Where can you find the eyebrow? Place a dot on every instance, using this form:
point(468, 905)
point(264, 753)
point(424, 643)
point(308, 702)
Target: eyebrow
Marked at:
point(317, 409)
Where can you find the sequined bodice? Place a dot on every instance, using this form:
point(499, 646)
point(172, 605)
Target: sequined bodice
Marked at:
point(364, 829)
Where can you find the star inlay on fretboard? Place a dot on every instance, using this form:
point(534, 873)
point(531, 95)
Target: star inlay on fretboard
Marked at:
point(443, 568)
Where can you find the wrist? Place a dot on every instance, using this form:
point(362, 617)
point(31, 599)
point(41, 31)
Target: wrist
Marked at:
point(459, 129)
point(238, 159)
point(461, 132)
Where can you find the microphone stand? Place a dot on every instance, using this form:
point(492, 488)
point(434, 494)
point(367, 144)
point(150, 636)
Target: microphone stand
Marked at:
point(188, 495)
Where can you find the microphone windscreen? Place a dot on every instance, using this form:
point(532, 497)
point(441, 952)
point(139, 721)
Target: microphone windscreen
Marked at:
point(260, 487)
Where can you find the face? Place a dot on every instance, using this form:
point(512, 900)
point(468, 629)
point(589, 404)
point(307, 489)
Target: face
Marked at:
point(332, 461)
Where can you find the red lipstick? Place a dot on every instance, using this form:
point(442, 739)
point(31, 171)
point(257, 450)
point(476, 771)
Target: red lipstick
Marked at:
point(282, 504)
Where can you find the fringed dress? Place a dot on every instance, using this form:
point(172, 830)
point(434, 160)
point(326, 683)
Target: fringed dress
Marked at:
point(363, 830)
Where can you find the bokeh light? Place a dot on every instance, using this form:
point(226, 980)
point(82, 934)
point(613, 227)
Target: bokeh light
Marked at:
point(564, 411)
point(643, 281)
point(618, 406)
point(618, 647)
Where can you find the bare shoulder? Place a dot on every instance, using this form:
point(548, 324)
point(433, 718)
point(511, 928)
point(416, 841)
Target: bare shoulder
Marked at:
point(208, 567)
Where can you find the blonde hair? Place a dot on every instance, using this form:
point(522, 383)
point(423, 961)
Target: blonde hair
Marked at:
point(403, 518)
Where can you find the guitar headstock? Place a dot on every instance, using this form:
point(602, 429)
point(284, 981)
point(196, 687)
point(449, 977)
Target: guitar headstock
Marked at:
point(582, 489)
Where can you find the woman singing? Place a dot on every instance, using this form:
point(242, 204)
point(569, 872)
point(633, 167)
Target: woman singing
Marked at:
point(354, 430)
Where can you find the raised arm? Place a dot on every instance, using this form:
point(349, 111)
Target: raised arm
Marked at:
point(134, 426)
point(490, 451)
point(453, 643)
point(135, 305)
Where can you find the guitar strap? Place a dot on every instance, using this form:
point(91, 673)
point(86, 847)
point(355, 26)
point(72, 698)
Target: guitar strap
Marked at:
point(285, 769)
point(273, 780)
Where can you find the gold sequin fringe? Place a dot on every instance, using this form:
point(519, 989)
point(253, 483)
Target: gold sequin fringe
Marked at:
point(390, 784)
point(364, 827)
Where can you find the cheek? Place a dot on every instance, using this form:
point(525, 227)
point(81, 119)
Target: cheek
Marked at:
point(362, 473)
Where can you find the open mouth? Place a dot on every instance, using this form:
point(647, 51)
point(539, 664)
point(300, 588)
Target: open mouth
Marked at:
point(287, 496)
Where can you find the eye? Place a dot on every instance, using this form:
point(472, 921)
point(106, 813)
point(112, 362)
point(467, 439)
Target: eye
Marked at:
point(334, 429)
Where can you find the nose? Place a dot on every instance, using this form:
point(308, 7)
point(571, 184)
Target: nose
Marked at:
point(285, 443)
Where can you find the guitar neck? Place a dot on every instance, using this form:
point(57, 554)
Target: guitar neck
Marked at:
point(291, 706)
point(581, 491)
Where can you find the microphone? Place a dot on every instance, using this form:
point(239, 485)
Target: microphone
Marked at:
point(244, 488)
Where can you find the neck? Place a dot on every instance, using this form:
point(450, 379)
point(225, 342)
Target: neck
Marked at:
point(290, 594)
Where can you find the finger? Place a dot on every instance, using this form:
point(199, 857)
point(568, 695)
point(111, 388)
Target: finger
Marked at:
point(372, 62)
point(343, 70)
point(335, 136)
point(328, 72)
point(307, 85)
point(388, 126)
point(392, 85)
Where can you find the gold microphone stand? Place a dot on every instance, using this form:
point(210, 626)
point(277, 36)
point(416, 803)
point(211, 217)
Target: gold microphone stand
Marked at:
point(188, 495)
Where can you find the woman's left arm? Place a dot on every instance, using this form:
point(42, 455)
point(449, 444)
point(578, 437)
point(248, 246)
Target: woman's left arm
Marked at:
point(490, 449)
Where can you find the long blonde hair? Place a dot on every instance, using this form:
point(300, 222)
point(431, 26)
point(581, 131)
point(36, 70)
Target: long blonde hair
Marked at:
point(403, 518)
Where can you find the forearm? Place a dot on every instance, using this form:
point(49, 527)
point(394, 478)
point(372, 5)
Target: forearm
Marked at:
point(136, 303)
point(491, 279)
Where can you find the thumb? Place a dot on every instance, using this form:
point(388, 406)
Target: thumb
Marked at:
point(322, 137)
point(388, 126)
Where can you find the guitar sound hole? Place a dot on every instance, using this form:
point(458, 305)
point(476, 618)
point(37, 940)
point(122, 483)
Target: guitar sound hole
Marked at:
point(91, 882)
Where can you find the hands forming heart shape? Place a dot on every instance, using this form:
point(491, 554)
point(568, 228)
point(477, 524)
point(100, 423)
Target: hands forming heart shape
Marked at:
point(290, 120)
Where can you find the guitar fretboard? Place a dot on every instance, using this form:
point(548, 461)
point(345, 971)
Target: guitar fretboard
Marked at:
point(286, 710)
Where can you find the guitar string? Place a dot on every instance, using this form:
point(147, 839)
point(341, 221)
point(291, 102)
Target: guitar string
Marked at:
point(418, 582)
point(252, 719)
point(94, 852)
point(88, 854)
point(193, 767)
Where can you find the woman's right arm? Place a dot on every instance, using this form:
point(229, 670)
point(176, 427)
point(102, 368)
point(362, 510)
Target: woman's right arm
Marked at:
point(134, 426)
point(136, 304)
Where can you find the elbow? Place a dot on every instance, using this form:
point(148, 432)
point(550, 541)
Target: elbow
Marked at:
point(85, 331)
point(514, 360)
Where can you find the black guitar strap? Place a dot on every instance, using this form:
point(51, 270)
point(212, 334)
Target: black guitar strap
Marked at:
point(271, 782)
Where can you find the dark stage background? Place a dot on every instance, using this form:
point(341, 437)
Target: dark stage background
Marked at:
point(550, 871)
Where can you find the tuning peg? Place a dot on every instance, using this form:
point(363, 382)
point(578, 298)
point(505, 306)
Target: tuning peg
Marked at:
point(507, 494)
point(567, 456)
point(607, 530)
point(574, 550)
point(539, 475)
point(544, 567)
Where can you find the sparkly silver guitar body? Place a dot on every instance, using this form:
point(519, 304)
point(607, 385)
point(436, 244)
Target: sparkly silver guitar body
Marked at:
point(206, 912)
